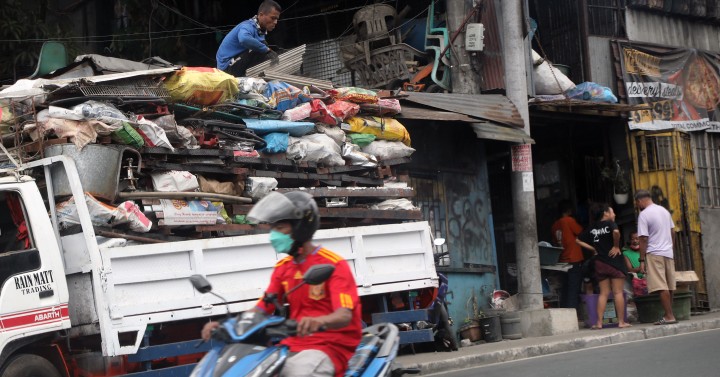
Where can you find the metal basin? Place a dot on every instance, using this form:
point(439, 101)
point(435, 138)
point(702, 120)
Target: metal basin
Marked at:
point(98, 167)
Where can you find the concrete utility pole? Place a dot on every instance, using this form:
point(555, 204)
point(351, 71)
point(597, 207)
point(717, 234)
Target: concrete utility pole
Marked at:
point(523, 192)
point(464, 79)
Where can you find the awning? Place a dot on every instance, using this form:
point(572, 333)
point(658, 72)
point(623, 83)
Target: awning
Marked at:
point(490, 107)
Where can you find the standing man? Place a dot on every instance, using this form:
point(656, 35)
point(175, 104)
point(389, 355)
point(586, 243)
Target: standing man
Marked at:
point(564, 231)
point(655, 228)
point(244, 46)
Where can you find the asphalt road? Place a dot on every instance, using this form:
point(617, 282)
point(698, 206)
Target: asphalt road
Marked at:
point(687, 355)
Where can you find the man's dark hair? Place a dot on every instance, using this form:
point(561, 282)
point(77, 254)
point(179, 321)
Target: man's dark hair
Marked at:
point(641, 194)
point(565, 206)
point(597, 210)
point(268, 5)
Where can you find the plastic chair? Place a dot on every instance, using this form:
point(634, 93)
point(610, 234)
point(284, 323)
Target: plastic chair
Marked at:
point(371, 27)
point(52, 56)
point(436, 38)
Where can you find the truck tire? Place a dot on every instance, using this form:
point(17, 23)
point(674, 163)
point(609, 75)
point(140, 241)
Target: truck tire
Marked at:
point(28, 365)
point(446, 333)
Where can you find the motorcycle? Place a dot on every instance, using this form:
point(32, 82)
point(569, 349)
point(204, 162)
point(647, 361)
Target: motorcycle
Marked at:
point(248, 345)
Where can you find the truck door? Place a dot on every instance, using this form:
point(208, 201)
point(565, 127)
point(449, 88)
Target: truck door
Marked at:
point(33, 295)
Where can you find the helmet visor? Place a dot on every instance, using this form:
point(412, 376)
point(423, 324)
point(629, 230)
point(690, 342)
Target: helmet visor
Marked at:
point(273, 208)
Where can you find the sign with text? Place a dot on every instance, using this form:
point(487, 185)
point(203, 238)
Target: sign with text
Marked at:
point(681, 86)
point(521, 157)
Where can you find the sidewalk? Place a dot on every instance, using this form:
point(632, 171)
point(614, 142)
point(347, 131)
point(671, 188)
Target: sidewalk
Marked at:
point(507, 350)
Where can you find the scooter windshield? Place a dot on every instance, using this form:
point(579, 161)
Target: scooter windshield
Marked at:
point(247, 321)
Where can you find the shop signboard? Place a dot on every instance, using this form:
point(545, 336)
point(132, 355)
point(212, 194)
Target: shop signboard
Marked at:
point(682, 87)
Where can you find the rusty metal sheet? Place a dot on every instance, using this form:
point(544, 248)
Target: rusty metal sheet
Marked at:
point(380, 192)
point(491, 58)
point(492, 107)
point(492, 132)
point(420, 113)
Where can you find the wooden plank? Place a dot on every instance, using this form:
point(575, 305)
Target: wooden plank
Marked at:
point(356, 192)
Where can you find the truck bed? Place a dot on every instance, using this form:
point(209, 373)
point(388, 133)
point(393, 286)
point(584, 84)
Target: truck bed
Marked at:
point(147, 284)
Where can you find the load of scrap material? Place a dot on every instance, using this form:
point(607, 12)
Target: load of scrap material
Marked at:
point(169, 153)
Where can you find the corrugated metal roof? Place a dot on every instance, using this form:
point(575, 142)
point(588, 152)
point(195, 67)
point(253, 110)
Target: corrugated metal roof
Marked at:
point(491, 58)
point(671, 31)
point(493, 132)
point(493, 107)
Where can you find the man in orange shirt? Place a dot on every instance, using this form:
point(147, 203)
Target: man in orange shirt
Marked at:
point(564, 231)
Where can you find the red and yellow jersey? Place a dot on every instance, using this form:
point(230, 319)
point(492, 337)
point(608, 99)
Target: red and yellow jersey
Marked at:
point(340, 291)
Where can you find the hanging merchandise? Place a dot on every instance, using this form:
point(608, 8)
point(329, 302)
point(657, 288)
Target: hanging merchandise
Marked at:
point(384, 128)
point(201, 86)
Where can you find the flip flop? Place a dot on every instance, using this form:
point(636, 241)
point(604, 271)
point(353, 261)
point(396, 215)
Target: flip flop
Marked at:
point(663, 321)
point(594, 327)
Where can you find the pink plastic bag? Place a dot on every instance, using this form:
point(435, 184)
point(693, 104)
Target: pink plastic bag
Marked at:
point(344, 109)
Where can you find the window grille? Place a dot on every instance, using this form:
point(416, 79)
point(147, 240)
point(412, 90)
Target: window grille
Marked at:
point(706, 150)
point(655, 152)
point(607, 18)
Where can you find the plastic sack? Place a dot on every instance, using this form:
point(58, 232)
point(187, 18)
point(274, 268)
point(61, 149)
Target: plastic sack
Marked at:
point(354, 156)
point(174, 181)
point(284, 96)
point(62, 113)
point(277, 142)
point(102, 111)
point(127, 135)
point(152, 134)
point(590, 91)
point(343, 109)
point(334, 133)
point(387, 150)
point(251, 85)
point(362, 140)
point(297, 113)
point(258, 187)
point(266, 126)
point(320, 113)
point(383, 107)
point(315, 148)
point(394, 204)
point(201, 86)
point(177, 135)
point(384, 128)
point(81, 133)
point(102, 214)
point(215, 186)
point(353, 94)
point(548, 79)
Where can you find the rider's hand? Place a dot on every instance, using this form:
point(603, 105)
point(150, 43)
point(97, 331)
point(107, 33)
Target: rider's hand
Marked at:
point(207, 330)
point(309, 325)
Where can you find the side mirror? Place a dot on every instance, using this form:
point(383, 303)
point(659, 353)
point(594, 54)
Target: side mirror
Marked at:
point(439, 241)
point(318, 273)
point(201, 284)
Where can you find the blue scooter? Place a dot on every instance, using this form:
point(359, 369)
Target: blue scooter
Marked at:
point(248, 345)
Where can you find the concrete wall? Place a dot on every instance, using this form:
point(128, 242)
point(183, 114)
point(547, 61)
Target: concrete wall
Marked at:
point(710, 223)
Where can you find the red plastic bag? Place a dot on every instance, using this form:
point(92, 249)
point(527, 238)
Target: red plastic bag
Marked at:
point(320, 113)
point(639, 287)
point(344, 109)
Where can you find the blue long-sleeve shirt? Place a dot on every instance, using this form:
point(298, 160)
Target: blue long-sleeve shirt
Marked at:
point(245, 36)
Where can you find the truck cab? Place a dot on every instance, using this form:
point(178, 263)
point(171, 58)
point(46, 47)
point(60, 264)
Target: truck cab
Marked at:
point(34, 293)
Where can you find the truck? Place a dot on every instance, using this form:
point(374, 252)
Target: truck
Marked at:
point(81, 305)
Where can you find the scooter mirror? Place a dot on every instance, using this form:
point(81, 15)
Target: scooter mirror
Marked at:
point(318, 273)
point(439, 241)
point(201, 284)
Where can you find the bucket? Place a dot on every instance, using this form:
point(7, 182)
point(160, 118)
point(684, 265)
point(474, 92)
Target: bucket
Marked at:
point(98, 167)
point(609, 317)
point(490, 328)
point(650, 310)
point(510, 325)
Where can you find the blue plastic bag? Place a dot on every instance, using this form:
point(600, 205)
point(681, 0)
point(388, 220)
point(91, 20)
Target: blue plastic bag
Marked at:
point(277, 142)
point(590, 91)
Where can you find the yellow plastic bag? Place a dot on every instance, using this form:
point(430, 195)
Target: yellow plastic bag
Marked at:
point(384, 128)
point(201, 86)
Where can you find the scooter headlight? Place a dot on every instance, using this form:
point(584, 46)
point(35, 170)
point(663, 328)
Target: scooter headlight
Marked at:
point(268, 365)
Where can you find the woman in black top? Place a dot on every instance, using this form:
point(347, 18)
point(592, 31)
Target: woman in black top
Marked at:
point(603, 237)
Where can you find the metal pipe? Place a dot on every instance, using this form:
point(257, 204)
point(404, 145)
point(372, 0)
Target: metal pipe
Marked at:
point(183, 195)
point(107, 234)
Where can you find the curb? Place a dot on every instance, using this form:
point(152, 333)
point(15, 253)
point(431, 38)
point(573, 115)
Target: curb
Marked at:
point(552, 347)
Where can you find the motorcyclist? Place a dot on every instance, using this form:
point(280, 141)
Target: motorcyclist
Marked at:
point(333, 305)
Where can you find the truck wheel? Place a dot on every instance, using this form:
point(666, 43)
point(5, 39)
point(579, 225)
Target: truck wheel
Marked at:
point(27, 365)
point(446, 334)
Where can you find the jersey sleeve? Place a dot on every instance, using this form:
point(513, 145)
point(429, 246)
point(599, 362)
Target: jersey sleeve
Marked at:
point(342, 288)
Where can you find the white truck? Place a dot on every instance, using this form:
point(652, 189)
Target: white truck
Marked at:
point(77, 306)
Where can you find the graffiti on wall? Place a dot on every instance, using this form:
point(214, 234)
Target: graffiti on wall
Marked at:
point(468, 209)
